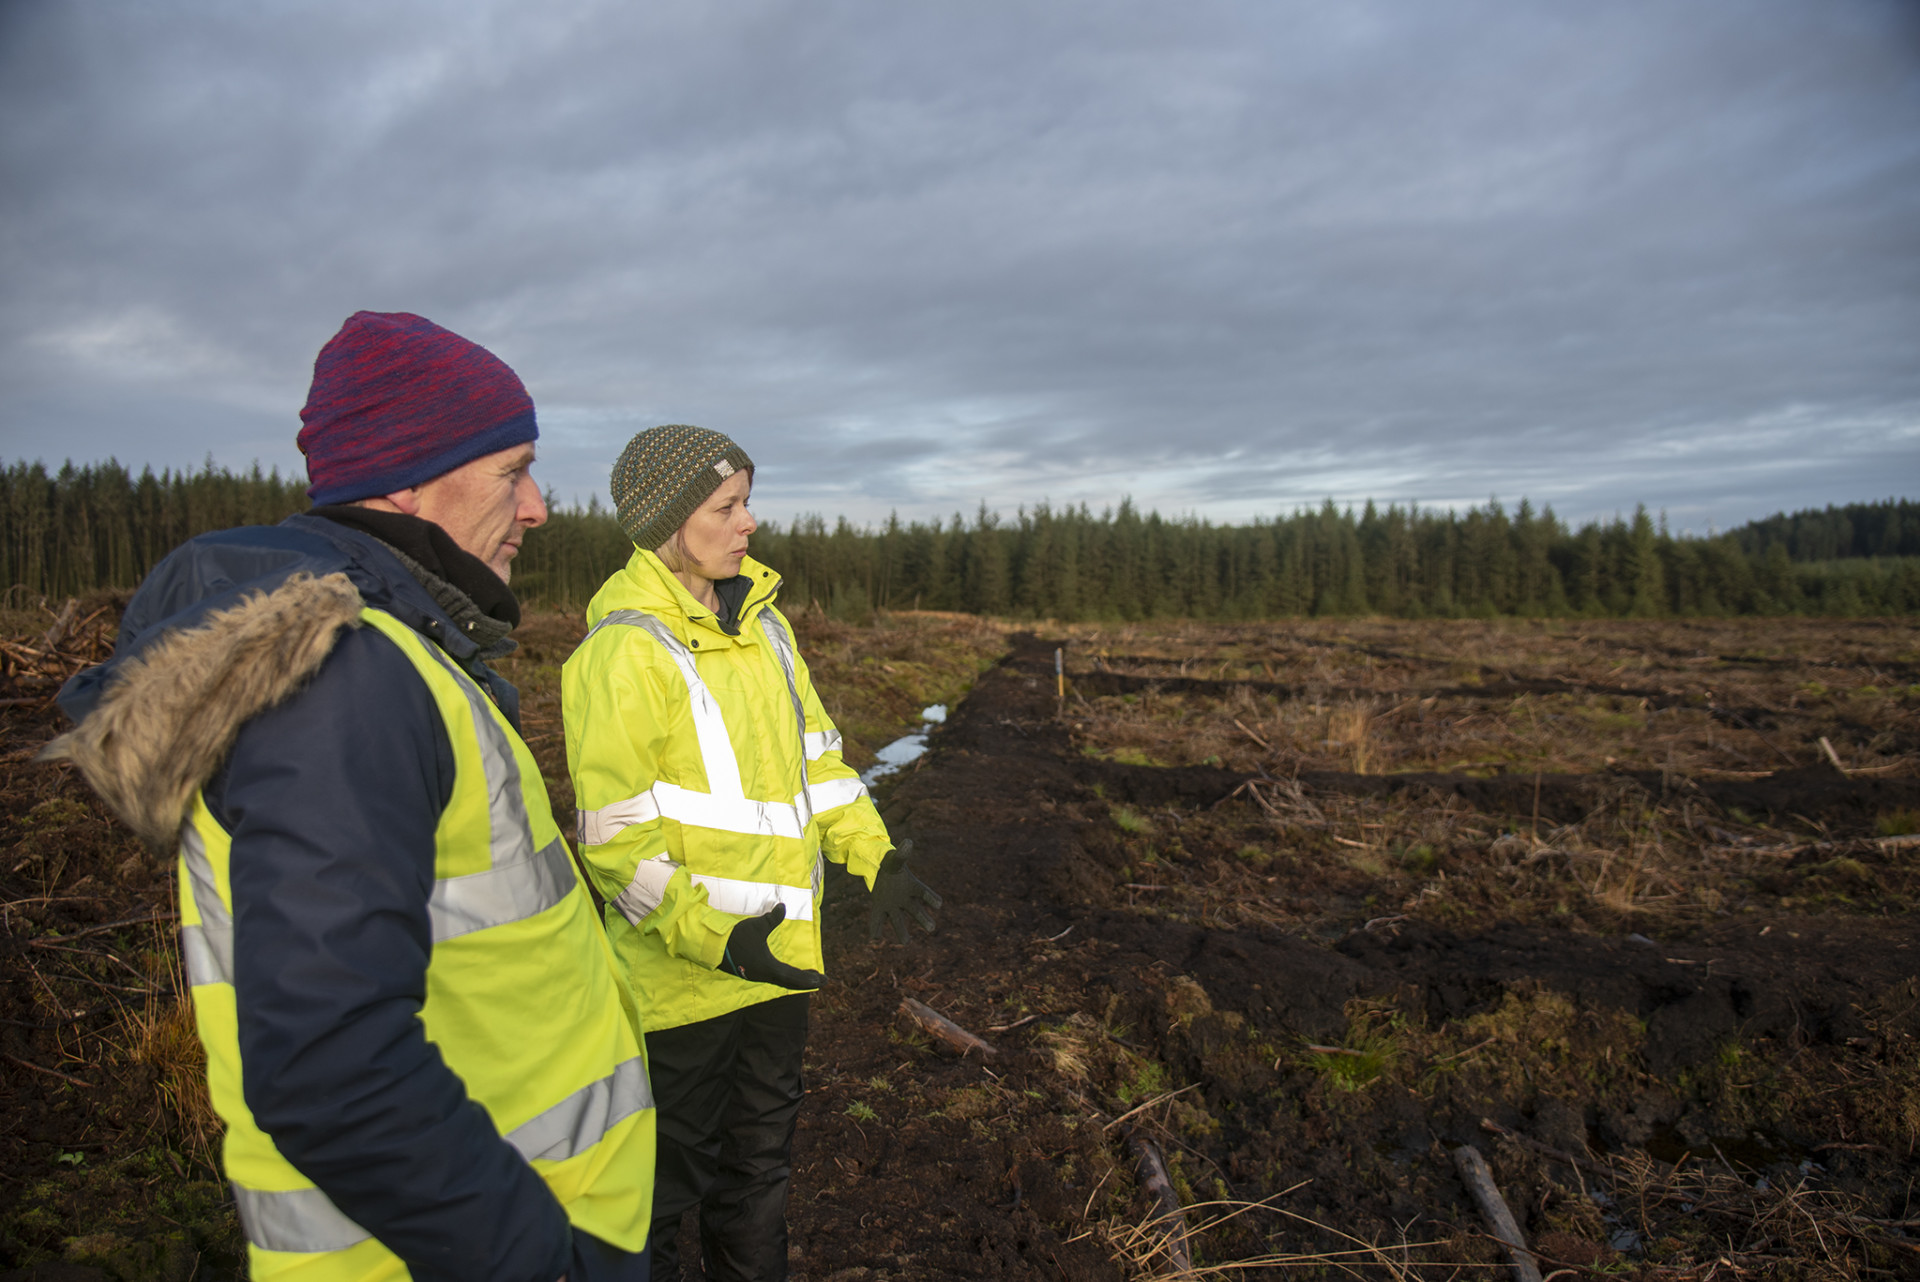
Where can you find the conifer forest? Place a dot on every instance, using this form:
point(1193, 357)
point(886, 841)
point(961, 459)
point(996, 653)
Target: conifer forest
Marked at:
point(83, 528)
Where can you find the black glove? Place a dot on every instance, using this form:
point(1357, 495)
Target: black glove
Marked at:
point(898, 894)
point(748, 956)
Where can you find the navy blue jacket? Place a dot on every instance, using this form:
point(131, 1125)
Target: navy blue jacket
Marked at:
point(332, 800)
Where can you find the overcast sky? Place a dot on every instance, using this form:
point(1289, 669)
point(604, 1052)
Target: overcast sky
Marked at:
point(1226, 258)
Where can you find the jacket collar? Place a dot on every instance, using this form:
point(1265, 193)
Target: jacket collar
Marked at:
point(432, 556)
point(645, 584)
point(387, 583)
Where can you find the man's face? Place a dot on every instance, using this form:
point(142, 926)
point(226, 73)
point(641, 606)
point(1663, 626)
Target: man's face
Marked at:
point(486, 506)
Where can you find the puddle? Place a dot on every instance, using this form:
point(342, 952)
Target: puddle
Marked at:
point(905, 750)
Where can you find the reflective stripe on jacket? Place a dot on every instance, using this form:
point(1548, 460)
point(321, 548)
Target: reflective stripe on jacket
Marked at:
point(522, 999)
point(710, 785)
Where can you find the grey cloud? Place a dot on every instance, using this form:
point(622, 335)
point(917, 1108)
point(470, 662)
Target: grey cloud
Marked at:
point(1224, 257)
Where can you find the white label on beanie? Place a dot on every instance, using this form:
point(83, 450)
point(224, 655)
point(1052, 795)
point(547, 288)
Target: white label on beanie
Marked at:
point(724, 468)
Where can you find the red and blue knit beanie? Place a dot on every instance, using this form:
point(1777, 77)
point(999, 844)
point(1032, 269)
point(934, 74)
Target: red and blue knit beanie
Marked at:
point(396, 401)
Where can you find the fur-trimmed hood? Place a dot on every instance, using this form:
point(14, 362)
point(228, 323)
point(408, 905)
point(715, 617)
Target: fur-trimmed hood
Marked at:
point(228, 626)
point(165, 724)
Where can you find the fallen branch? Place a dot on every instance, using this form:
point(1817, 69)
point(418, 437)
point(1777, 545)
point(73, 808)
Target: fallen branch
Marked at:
point(944, 1030)
point(55, 634)
point(1772, 852)
point(1141, 1108)
point(1008, 1028)
point(25, 653)
point(41, 1068)
point(1819, 847)
point(1167, 1212)
point(1477, 1046)
point(54, 941)
point(1832, 756)
point(1251, 735)
point(1494, 1209)
point(1248, 788)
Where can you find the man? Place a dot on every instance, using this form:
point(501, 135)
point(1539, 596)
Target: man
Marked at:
point(414, 1029)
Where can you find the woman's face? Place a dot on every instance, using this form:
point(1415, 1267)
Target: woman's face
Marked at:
point(714, 539)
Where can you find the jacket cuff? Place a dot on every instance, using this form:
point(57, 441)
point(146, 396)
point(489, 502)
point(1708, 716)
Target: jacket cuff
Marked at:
point(864, 860)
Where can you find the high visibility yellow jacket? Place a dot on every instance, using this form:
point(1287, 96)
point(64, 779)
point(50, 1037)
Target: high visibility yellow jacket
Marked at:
point(522, 998)
point(710, 786)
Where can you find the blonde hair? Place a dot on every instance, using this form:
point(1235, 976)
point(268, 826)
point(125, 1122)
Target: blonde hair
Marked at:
point(674, 555)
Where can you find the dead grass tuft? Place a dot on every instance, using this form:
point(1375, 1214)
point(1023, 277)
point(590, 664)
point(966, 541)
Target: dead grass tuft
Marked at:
point(162, 1039)
point(1349, 729)
point(1146, 1246)
point(1771, 1225)
point(1068, 1047)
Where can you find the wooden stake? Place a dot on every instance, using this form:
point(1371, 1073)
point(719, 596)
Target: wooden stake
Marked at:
point(944, 1030)
point(1167, 1213)
point(1493, 1208)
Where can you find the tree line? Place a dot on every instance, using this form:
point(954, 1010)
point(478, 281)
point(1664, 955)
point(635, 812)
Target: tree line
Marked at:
point(100, 526)
point(1891, 528)
point(82, 528)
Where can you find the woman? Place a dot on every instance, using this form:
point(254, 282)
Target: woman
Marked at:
point(710, 786)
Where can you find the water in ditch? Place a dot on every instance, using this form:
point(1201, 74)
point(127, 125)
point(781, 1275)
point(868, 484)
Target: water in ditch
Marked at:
point(905, 750)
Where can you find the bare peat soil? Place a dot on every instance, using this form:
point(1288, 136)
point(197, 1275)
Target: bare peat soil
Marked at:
point(1661, 1091)
point(1630, 940)
point(107, 1143)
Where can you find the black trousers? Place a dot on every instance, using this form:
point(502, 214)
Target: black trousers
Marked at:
point(595, 1261)
point(726, 1092)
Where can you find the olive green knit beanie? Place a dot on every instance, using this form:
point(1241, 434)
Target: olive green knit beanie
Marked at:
point(665, 474)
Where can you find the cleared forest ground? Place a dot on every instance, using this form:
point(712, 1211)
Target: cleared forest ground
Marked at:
point(1306, 906)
